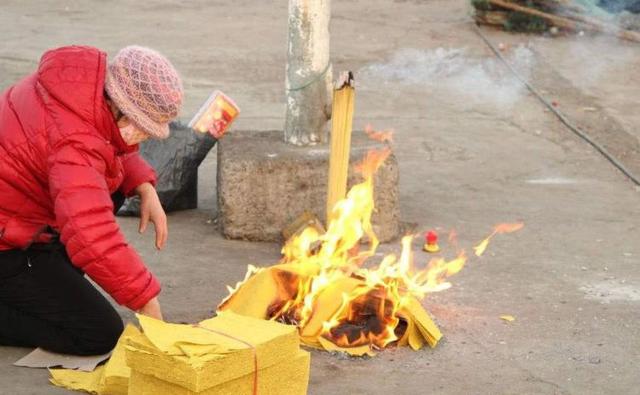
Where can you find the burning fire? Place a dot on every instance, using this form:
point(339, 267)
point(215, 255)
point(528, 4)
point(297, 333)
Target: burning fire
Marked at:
point(371, 296)
point(382, 136)
point(499, 229)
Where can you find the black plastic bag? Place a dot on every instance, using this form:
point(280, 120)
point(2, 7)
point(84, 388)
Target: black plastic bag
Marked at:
point(176, 162)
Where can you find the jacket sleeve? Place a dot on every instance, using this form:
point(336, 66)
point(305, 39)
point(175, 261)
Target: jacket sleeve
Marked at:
point(84, 214)
point(136, 171)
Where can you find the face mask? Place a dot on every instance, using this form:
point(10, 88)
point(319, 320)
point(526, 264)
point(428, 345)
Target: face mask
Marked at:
point(132, 135)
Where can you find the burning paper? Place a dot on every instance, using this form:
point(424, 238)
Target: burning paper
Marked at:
point(336, 323)
point(332, 291)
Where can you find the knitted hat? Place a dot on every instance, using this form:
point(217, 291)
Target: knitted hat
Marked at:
point(146, 87)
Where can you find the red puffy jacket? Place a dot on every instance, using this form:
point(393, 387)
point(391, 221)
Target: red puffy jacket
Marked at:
point(61, 158)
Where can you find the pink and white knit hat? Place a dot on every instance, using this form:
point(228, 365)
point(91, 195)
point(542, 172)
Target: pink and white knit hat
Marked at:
point(146, 88)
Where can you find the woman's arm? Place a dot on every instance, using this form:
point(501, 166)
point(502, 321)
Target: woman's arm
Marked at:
point(151, 210)
point(140, 179)
point(83, 209)
point(136, 172)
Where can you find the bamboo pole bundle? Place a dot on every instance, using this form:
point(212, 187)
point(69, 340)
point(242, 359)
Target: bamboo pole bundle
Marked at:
point(556, 20)
point(341, 126)
point(571, 21)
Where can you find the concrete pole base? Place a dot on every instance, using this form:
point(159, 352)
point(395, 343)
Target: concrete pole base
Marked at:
point(264, 184)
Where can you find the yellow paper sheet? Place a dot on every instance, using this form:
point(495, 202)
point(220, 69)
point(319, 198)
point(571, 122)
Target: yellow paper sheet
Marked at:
point(417, 315)
point(77, 380)
point(168, 338)
point(289, 377)
point(260, 287)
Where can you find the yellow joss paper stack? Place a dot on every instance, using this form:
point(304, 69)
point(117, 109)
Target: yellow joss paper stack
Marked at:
point(226, 354)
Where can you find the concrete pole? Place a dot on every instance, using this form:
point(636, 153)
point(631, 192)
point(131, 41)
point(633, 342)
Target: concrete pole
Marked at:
point(309, 75)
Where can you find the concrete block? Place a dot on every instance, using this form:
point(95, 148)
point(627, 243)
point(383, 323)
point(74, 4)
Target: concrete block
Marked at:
point(264, 184)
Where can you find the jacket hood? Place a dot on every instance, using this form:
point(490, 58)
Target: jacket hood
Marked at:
point(74, 76)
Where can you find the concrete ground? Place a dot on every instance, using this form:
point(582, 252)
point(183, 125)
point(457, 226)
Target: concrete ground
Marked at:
point(474, 149)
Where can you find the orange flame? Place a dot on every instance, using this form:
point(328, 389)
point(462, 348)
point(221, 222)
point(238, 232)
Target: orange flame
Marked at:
point(372, 162)
point(499, 229)
point(453, 236)
point(367, 314)
point(382, 136)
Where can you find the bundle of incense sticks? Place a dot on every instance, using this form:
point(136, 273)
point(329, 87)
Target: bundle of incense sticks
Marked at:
point(341, 126)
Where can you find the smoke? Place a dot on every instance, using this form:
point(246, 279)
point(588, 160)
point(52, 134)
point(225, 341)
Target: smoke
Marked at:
point(584, 57)
point(479, 80)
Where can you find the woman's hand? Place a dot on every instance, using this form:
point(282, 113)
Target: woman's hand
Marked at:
point(151, 210)
point(152, 309)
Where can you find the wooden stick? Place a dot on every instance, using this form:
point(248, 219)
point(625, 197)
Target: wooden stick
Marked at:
point(341, 126)
point(562, 4)
point(569, 23)
point(494, 18)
